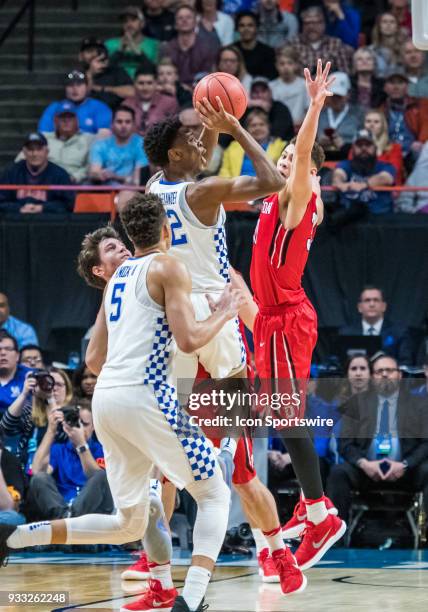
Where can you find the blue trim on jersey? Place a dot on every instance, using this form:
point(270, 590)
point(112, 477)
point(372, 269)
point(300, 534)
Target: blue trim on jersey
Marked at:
point(165, 182)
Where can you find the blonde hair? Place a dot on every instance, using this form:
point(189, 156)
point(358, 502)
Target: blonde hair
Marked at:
point(39, 405)
point(381, 141)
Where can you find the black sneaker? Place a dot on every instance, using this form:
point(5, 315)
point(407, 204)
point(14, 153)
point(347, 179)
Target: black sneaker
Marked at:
point(181, 606)
point(5, 532)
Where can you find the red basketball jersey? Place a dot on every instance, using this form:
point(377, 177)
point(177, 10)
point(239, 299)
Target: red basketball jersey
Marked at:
point(280, 255)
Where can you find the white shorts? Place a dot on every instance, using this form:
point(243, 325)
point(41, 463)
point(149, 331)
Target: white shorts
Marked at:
point(222, 357)
point(141, 426)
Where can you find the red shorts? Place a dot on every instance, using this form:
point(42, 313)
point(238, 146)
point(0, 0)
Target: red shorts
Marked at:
point(244, 460)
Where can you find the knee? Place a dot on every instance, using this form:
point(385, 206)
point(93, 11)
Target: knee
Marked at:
point(98, 477)
point(213, 491)
point(133, 522)
point(39, 480)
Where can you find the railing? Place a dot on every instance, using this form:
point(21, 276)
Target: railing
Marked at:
point(29, 5)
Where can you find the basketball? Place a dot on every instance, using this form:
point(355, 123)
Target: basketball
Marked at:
point(227, 87)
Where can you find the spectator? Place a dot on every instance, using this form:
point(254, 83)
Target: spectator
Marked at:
point(276, 26)
point(413, 60)
point(84, 382)
point(416, 201)
point(93, 116)
point(373, 322)
point(369, 10)
point(259, 58)
point(12, 489)
point(119, 158)
point(281, 122)
point(356, 178)
point(33, 408)
point(168, 83)
point(108, 83)
point(288, 88)
point(235, 160)
point(132, 48)
point(35, 170)
point(190, 51)
point(366, 89)
point(89, 48)
point(231, 60)
point(212, 19)
point(159, 21)
point(340, 120)
point(386, 151)
point(148, 104)
point(313, 43)
point(422, 391)
point(400, 10)
point(343, 22)
point(357, 371)
point(387, 40)
point(382, 441)
point(12, 374)
point(31, 356)
point(69, 479)
point(24, 333)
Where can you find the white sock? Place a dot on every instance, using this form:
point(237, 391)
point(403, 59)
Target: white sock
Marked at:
point(259, 539)
point(33, 534)
point(274, 539)
point(195, 586)
point(229, 444)
point(162, 573)
point(316, 509)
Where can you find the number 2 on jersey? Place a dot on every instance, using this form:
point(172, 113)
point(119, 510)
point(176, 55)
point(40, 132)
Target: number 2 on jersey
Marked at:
point(116, 301)
point(178, 235)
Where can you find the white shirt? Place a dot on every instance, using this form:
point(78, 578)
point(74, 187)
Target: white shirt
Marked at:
point(377, 328)
point(293, 95)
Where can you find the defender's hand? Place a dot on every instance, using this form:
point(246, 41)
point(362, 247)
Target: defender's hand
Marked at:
point(318, 89)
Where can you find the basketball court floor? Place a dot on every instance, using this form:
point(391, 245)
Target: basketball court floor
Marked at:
point(346, 580)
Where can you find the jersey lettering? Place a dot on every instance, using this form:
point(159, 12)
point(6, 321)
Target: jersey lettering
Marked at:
point(178, 235)
point(116, 301)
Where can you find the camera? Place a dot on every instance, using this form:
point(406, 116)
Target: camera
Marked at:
point(45, 381)
point(71, 415)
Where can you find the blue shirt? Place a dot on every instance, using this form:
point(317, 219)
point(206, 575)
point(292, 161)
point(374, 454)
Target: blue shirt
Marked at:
point(23, 332)
point(67, 467)
point(234, 6)
point(93, 115)
point(120, 159)
point(247, 168)
point(10, 391)
point(347, 29)
point(378, 202)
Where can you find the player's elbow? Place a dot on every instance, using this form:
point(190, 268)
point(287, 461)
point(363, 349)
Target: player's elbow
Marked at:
point(94, 362)
point(187, 344)
point(273, 183)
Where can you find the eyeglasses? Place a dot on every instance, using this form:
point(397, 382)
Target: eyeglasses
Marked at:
point(7, 349)
point(32, 360)
point(387, 371)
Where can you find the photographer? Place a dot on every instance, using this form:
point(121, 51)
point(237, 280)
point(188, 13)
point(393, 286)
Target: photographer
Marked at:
point(69, 479)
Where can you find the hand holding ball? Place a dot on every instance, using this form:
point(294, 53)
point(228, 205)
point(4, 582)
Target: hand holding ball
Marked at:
point(226, 87)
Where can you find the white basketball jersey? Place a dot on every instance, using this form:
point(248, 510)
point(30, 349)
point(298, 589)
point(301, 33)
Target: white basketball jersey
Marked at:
point(140, 344)
point(202, 248)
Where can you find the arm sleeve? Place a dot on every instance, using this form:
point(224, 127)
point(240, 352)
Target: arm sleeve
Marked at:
point(141, 159)
point(46, 122)
point(29, 336)
point(62, 201)
point(348, 29)
point(10, 425)
point(96, 153)
point(104, 117)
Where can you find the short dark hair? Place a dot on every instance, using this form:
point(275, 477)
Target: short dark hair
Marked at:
point(242, 14)
point(124, 109)
point(142, 217)
point(159, 139)
point(145, 69)
point(31, 347)
point(317, 153)
point(4, 335)
point(257, 111)
point(372, 288)
point(89, 255)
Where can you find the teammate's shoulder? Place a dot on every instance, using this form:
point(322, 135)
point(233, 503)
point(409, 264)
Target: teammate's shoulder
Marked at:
point(166, 264)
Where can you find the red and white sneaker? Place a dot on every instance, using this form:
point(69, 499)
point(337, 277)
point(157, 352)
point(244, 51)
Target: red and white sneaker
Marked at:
point(139, 570)
point(267, 568)
point(291, 578)
point(153, 598)
point(317, 539)
point(296, 525)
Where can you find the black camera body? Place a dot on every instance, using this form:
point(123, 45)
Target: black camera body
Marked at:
point(71, 415)
point(45, 381)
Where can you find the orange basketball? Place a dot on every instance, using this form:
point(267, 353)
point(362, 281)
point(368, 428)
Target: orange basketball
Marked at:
point(227, 87)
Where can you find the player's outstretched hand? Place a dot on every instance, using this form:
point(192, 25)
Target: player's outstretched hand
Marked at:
point(216, 120)
point(318, 88)
point(229, 303)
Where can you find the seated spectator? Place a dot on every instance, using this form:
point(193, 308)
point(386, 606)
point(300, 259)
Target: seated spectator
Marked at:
point(387, 39)
point(84, 382)
point(12, 374)
point(343, 22)
point(159, 21)
point(236, 162)
point(288, 88)
point(234, 6)
point(383, 441)
point(69, 477)
point(259, 58)
point(211, 19)
point(12, 488)
point(366, 89)
point(89, 48)
point(400, 9)
point(416, 201)
point(31, 356)
point(231, 60)
point(93, 116)
point(34, 407)
point(413, 61)
point(313, 43)
point(190, 51)
point(369, 10)
point(133, 48)
point(107, 82)
point(339, 120)
point(119, 158)
point(148, 104)
point(281, 122)
point(373, 322)
point(386, 151)
point(24, 333)
point(35, 170)
point(169, 85)
point(276, 26)
point(357, 372)
point(422, 390)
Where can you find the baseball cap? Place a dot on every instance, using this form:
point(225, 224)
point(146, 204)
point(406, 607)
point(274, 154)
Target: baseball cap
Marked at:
point(35, 138)
point(132, 11)
point(396, 71)
point(75, 76)
point(365, 135)
point(260, 80)
point(91, 43)
point(65, 107)
point(341, 85)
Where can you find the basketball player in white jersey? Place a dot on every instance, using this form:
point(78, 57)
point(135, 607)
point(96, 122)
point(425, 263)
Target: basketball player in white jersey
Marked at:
point(135, 408)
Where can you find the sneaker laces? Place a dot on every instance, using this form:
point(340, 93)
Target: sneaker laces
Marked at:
point(288, 565)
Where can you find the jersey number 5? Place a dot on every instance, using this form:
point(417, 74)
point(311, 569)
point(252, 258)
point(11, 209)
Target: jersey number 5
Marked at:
point(116, 301)
point(178, 235)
